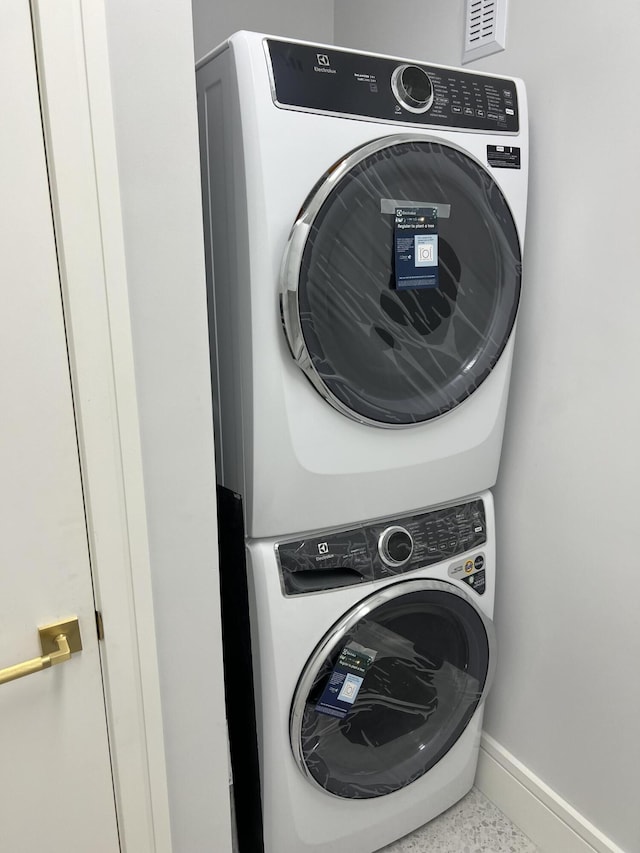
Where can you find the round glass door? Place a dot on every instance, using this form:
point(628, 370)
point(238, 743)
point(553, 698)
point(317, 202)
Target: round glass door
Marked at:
point(380, 351)
point(391, 688)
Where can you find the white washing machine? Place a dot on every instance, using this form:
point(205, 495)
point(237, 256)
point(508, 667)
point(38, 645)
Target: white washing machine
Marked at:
point(364, 220)
point(373, 653)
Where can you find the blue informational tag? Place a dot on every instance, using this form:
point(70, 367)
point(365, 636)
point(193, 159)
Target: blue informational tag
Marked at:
point(345, 681)
point(415, 237)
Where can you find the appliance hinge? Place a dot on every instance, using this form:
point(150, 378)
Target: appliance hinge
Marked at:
point(99, 625)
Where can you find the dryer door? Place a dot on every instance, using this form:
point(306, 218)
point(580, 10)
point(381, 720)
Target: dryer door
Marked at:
point(391, 688)
point(383, 346)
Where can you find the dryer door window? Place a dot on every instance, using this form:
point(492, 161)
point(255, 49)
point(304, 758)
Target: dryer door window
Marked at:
point(423, 656)
point(379, 351)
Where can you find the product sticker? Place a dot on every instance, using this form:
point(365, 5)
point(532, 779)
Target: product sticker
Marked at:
point(345, 680)
point(416, 247)
point(477, 581)
point(388, 206)
point(503, 156)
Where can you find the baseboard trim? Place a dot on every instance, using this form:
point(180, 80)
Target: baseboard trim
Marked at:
point(548, 820)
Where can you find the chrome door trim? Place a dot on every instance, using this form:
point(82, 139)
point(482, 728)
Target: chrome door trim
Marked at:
point(335, 636)
point(294, 251)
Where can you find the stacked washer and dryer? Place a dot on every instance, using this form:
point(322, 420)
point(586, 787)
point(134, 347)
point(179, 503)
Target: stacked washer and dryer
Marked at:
point(364, 221)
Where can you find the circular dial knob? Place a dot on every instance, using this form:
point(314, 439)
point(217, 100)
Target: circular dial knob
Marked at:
point(395, 546)
point(412, 87)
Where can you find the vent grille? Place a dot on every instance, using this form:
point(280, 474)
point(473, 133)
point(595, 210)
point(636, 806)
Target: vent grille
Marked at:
point(485, 28)
point(481, 22)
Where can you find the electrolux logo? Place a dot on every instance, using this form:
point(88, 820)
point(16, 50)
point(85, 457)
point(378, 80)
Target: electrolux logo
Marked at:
point(324, 64)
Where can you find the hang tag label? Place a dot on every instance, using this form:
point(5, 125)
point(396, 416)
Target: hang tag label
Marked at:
point(415, 238)
point(345, 681)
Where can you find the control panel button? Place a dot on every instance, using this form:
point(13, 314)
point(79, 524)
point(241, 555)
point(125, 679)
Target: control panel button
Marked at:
point(395, 546)
point(412, 87)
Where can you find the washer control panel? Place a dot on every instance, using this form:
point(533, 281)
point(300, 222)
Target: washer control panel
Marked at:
point(381, 549)
point(345, 83)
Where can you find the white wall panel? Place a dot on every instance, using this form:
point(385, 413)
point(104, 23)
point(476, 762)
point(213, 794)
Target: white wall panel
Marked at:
point(153, 89)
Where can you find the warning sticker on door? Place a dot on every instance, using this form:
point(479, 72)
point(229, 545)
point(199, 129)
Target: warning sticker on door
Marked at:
point(416, 247)
point(345, 680)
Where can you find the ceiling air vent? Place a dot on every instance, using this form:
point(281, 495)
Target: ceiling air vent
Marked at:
point(485, 28)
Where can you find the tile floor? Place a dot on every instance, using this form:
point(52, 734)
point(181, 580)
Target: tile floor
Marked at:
point(474, 825)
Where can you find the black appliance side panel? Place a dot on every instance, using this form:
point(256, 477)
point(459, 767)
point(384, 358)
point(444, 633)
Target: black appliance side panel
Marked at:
point(238, 673)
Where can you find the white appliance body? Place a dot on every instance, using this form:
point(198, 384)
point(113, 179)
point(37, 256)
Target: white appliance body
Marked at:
point(296, 458)
point(332, 785)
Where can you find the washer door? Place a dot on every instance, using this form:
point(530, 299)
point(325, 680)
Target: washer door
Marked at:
point(387, 356)
point(428, 657)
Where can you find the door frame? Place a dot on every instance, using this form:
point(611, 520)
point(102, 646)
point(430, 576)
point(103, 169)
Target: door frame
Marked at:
point(73, 65)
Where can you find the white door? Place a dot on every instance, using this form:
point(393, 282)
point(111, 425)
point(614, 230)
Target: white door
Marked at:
point(56, 788)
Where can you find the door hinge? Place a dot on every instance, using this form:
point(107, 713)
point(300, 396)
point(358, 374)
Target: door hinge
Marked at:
point(99, 625)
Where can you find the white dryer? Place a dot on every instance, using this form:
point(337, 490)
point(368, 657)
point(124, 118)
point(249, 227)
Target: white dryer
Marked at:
point(364, 220)
point(373, 653)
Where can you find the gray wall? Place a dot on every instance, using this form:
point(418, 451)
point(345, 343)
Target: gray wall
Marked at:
point(567, 692)
point(213, 21)
point(404, 28)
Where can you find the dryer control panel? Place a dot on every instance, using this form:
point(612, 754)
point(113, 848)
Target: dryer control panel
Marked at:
point(359, 85)
point(381, 549)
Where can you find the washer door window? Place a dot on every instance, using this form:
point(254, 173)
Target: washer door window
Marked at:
point(423, 654)
point(388, 355)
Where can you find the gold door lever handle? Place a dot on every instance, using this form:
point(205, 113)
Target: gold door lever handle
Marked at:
point(57, 641)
